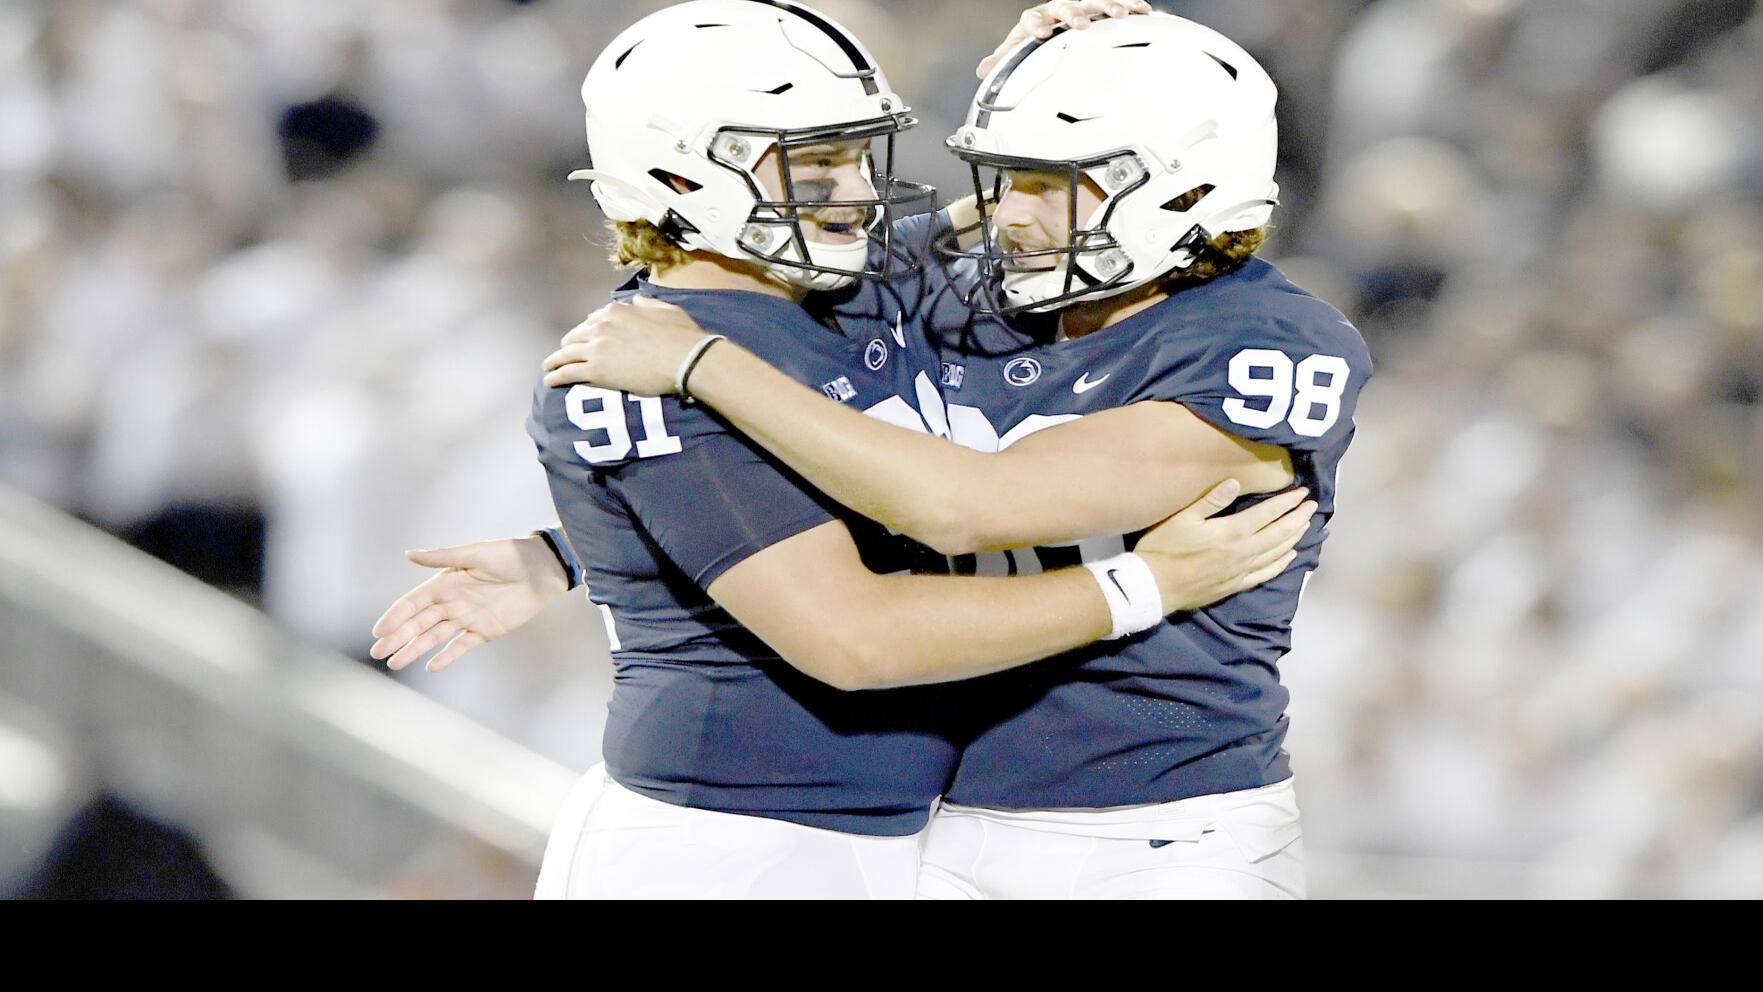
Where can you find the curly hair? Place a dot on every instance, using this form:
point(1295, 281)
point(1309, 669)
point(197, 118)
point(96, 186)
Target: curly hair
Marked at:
point(642, 243)
point(1225, 253)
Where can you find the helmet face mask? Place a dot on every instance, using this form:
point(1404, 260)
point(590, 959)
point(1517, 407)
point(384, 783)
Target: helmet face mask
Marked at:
point(1090, 263)
point(775, 235)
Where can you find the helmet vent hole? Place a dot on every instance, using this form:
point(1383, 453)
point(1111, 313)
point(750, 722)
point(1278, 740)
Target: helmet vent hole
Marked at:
point(1067, 118)
point(1187, 200)
point(710, 25)
point(780, 90)
point(1222, 64)
point(675, 182)
point(616, 63)
point(1136, 44)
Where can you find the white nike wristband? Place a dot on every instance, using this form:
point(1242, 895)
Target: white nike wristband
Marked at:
point(1134, 601)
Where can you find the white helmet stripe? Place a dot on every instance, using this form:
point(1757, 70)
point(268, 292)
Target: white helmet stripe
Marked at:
point(864, 70)
point(987, 101)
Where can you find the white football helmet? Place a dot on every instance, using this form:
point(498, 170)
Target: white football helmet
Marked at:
point(684, 103)
point(1150, 107)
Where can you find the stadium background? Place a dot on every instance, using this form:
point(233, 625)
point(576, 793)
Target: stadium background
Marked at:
point(274, 281)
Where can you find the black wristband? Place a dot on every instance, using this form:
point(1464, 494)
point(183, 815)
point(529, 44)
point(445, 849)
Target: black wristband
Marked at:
point(571, 574)
point(691, 362)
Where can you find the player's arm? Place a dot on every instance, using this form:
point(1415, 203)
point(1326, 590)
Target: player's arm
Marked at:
point(764, 545)
point(920, 232)
point(489, 589)
point(963, 214)
point(1112, 472)
point(811, 598)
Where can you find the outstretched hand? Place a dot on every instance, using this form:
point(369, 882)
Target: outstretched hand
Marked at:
point(485, 591)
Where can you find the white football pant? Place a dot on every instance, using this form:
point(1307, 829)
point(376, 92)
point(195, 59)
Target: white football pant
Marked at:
point(1235, 845)
point(611, 843)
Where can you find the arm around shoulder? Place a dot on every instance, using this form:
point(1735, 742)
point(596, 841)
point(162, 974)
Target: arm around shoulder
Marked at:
point(1113, 472)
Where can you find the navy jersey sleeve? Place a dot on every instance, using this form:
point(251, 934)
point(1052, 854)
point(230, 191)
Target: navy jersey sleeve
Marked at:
point(1272, 380)
point(708, 498)
point(716, 503)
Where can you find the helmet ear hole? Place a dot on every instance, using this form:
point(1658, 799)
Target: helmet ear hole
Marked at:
point(1188, 200)
point(674, 181)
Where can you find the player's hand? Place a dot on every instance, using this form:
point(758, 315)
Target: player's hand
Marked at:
point(636, 347)
point(1200, 558)
point(486, 591)
point(1040, 22)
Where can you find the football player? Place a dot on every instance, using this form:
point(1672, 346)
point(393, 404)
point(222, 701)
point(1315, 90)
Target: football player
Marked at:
point(1131, 167)
point(730, 140)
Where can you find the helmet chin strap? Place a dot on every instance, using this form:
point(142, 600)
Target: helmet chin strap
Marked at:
point(1039, 290)
point(1021, 287)
point(847, 259)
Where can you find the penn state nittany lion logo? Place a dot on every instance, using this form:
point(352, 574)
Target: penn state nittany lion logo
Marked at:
point(876, 355)
point(1022, 371)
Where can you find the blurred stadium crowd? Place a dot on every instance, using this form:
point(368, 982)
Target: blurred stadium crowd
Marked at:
point(275, 279)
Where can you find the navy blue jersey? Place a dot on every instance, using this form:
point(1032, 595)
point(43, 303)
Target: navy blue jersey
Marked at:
point(659, 499)
point(1194, 705)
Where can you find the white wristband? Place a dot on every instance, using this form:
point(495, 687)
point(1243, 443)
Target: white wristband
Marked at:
point(690, 362)
point(1134, 601)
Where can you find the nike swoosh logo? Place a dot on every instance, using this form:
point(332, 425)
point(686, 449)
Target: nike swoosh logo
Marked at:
point(900, 329)
point(1116, 582)
point(1084, 385)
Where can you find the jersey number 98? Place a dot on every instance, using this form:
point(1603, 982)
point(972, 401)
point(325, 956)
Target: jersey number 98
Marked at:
point(1309, 393)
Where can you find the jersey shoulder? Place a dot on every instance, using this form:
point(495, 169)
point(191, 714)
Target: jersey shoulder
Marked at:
point(860, 356)
point(1253, 307)
point(776, 329)
point(603, 428)
point(1255, 355)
